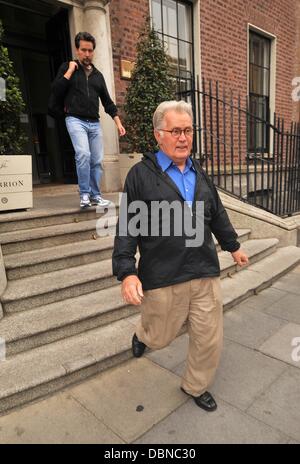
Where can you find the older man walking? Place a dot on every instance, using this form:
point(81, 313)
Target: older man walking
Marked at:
point(176, 281)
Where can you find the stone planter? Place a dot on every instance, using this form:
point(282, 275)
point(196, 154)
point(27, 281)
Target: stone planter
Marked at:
point(15, 182)
point(126, 161)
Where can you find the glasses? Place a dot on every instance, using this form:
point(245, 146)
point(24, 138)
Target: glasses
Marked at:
point(176, 132)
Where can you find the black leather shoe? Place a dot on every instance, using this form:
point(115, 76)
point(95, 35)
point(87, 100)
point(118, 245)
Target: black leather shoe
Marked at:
point(138, 347)
point(205, 401)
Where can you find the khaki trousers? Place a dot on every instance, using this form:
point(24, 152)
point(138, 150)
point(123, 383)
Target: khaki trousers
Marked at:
point(165, 310)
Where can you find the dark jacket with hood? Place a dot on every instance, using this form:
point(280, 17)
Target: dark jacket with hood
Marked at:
point(166, 260)
point(80, 94)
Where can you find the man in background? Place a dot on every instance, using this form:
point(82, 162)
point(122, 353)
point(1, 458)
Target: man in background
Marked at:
point(81, 85)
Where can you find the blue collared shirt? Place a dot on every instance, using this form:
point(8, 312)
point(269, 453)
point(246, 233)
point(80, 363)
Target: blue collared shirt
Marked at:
point(185, 180)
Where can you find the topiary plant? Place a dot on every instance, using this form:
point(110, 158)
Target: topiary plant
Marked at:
point(150, 85)
point(12, 138)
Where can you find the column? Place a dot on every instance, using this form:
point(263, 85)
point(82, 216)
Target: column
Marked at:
point(96, 22)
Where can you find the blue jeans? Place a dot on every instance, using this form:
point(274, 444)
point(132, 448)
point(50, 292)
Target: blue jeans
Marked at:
point(87, 141)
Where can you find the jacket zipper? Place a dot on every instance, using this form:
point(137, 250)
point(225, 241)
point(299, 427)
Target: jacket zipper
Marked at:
point(167, 180)
point(172, 184)
point(87, 85)
point(195, 192)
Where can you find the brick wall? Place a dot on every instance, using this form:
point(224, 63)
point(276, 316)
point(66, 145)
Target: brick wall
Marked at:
point(126, 18)
point(224, 44)
point(297, 56)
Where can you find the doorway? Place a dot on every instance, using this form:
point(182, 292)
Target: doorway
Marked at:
point(37, 39)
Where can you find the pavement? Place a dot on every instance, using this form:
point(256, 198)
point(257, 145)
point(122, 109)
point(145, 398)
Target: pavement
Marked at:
point(257, 388)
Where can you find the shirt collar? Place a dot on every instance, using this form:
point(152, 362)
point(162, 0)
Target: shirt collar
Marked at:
point(165, 162)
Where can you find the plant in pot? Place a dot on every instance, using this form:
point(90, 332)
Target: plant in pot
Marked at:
point(151, 83)
point(15, 167)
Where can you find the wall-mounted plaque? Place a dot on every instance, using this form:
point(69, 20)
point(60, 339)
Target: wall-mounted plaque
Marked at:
point(15, 182)
point(126, 68)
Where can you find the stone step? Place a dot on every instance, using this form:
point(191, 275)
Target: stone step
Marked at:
point(47, 369)
point(35, 291)
point(51, 236)
point(50, 211)
point(43, 370)
point(36, 262)
point(256, 250)
point(27, 329)
point(46, 219)
point(32, 292)
point(260, 275)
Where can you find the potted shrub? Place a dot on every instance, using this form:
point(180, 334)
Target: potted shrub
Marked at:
point(151, 83)
point(15, 167)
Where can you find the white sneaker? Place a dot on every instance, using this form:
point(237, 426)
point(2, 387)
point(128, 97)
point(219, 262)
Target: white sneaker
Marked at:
point(85, 201)
point(99, 201)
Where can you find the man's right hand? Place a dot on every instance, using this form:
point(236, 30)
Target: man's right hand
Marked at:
point(132, 290)
point(72, 68)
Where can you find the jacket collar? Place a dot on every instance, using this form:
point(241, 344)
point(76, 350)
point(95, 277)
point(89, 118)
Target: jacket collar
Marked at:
point(151, 159)
point(151, 162)
point(165, 162)
point(81, 66)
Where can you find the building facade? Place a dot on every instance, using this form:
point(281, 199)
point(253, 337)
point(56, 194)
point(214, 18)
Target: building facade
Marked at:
point(251, 47)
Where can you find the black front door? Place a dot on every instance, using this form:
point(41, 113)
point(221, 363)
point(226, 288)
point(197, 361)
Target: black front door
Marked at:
point(38, 41)
point(58, 39)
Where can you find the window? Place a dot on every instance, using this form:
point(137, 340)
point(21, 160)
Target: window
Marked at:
point(173, 20)
point(259, 92)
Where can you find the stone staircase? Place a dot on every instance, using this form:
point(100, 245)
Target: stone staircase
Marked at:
point(64, 319)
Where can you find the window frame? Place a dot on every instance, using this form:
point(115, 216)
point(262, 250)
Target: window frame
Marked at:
point(189, 73)
point(257, 97)
point(272, 81)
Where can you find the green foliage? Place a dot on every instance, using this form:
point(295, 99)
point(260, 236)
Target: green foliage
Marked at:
point(150, 85)
point(11, 135)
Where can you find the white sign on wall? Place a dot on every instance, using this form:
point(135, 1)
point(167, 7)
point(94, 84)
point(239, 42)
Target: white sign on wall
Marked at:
point(15, 182)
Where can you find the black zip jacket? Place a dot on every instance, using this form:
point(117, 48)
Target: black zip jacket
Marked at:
point(81, 94)
point(166, 260)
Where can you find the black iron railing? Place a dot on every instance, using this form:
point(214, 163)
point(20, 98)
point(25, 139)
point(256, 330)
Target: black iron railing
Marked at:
point(254, 159)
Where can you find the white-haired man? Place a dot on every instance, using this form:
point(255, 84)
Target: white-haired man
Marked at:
point(175, 282)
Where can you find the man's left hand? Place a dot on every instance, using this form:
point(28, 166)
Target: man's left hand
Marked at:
point(240, 258)
point(122, 130)
point(120, 127)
